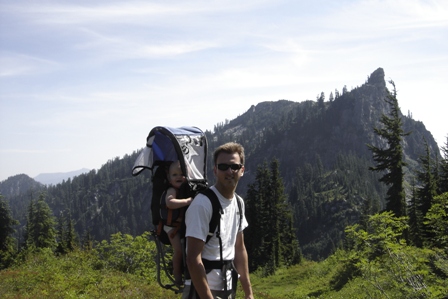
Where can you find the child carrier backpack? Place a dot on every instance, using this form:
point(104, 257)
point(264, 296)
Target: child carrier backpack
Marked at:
point(188, 145)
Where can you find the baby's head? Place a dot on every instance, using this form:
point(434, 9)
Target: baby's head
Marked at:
point(175, 175)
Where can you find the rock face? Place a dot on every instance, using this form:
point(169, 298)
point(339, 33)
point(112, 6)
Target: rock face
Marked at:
point(295, 132)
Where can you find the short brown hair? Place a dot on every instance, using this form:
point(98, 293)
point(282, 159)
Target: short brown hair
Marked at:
point(229, 148)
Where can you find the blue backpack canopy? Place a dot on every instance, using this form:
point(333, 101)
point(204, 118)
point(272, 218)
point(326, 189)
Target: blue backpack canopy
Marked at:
point(188, 145)
point(165, 144)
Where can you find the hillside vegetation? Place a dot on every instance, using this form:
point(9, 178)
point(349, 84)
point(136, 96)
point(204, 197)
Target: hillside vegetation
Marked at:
point(380, 265)
point(345, 198)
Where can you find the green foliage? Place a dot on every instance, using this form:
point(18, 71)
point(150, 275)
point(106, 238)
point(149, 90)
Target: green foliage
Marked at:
point(427, 181)
point(394, 269)
point(67, 238)
point(325, 201)
point(7, 242)
point(390, 160)
point(437, 222)
point(271, 242)
point(416, 233)
point(74, 275)
point(103, 273)
point(443, 174)
point(40, 228)
point(128, 254)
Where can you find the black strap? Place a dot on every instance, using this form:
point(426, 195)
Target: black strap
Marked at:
point(208, 265)
point(217, 211)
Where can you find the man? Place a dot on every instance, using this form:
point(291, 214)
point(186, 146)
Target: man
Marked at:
point(210, 283)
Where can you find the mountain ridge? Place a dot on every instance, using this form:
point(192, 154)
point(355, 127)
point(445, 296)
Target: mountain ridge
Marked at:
point(321, 147)
point(57, 177)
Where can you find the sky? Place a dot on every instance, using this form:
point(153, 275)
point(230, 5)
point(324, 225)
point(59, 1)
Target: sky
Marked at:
point(83, 82)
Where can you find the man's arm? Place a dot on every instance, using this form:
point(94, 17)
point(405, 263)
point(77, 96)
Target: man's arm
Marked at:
point(242, 265)
point(196, 267)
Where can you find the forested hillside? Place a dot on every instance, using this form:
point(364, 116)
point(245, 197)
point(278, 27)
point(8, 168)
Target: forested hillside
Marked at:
point(323, 160)
point(349, 182)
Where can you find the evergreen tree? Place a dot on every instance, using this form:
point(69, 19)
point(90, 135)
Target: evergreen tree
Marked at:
point(437, 221)
point(443, 173)
point(7, 242)
point(390, 160)
point(257, 213)
point(61, 248)
point(320, 100)
point(426, 179)
point(415, 219)
point(87, 242)
point(331, 98)
point(70, 235)
point(65, 233)
point(40, 228)
point(272, 242)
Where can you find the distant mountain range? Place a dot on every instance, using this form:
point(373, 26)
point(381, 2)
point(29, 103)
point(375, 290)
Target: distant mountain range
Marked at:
point(58, 177)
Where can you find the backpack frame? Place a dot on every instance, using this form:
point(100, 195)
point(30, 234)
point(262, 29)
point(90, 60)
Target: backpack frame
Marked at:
point(188, 145)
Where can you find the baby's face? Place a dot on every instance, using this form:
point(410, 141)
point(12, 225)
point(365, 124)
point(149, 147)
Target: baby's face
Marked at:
point(175, 176)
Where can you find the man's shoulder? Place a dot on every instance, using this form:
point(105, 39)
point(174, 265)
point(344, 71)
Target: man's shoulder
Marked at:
point(201, 200)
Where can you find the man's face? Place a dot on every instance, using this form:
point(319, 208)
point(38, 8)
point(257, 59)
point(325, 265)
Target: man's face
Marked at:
point(228, 178)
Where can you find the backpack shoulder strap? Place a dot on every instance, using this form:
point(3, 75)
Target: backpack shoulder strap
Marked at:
point(217, 211)
point(240, 209)
point(216, 214)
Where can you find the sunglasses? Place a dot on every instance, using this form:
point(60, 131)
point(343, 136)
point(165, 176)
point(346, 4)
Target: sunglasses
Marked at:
point(234, 167)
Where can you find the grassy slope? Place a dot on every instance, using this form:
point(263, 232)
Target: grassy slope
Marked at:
point(80, 275)
point(75, 275)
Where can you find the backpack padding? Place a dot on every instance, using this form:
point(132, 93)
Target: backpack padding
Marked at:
point(167, 215)
point(159, 185)
point(216, 214)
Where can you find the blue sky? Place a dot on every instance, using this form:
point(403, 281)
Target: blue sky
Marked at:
point(83, 82)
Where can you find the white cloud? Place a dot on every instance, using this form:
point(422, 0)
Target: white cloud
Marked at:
point(16, 64)
point(94, 77)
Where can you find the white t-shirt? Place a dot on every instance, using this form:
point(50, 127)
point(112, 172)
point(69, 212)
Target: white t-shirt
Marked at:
point(197, 219)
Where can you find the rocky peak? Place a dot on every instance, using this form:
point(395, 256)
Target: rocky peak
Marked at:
point(377, 78)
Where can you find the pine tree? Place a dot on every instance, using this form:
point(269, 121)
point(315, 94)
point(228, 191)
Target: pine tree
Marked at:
point(443, 172)
point(257, 213)
point(331, 98)
point(70, 235)
point(390, 160)
point(415, 219)
point(65, 233)
point(437, 221)
point(279, 205)
point(272, 242)
point(40, 228)
point(61, 248)
point(426, 179)
point(7, 242)
point(87, 242)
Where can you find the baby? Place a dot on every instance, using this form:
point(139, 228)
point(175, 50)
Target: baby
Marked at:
point(176, 179)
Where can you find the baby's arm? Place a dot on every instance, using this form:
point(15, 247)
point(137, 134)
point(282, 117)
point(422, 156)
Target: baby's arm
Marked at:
point(175, 203)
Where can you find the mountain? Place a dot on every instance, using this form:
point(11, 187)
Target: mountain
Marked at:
point(55, 178)
point(297, 132)
point(17, 185)
point(323, 158)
